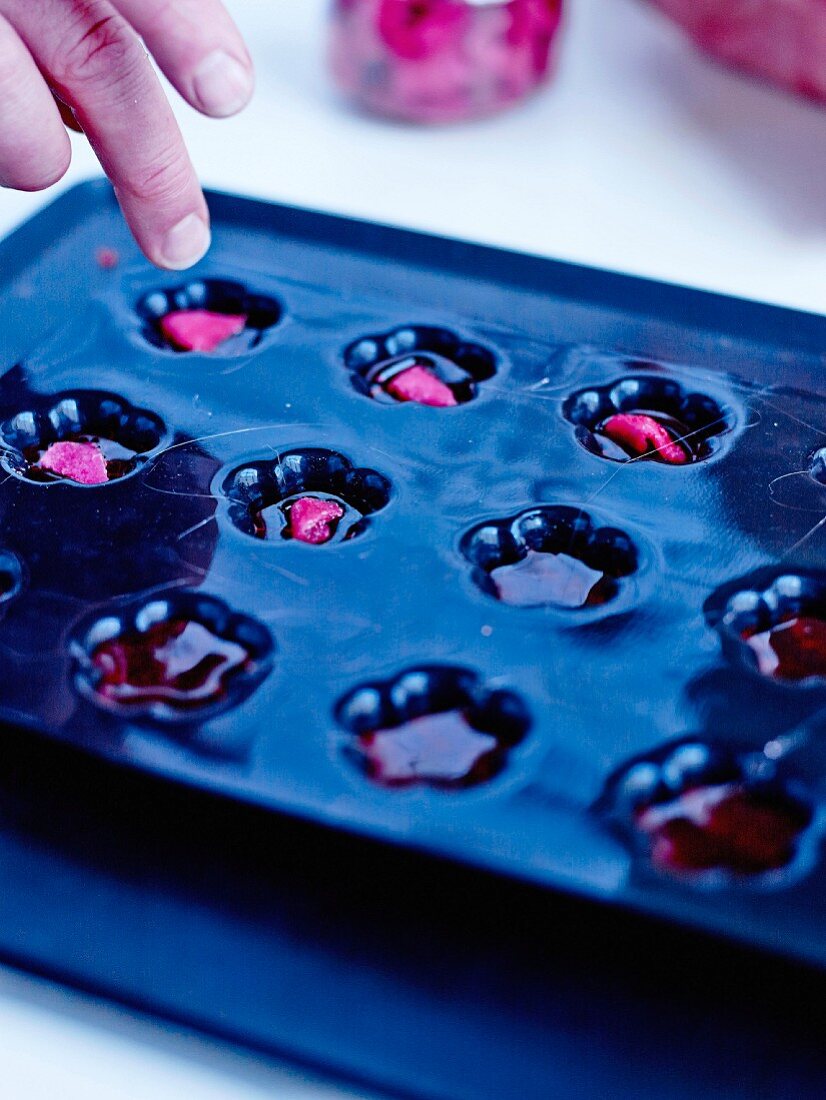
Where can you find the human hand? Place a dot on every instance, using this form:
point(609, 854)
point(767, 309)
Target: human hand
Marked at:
point(87, 53)
point(781, 40)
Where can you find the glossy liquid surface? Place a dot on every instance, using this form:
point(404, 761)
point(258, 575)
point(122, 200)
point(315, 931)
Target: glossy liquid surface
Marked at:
point(792, 650)
point(441, 750)
point(724, 827)
point(554, 580)
point(180, 663)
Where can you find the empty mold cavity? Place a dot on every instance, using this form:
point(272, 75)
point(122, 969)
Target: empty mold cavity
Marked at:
point(207, 315)
point(550, 556)
point(432, 726)
point(12, 577)
point(711, 815)
point(178, 658)
point(418, 364)
point(776, 626)
point(313, 496)
point(83, 438)
point(647, 417)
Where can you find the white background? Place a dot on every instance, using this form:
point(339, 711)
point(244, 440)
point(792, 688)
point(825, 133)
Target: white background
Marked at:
point(642, 157)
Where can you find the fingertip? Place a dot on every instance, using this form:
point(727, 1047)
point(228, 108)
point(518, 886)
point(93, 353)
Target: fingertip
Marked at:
point(182, 246)
point(222, 85)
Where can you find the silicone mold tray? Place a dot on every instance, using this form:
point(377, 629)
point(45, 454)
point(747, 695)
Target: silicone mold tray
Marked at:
point(507, 561)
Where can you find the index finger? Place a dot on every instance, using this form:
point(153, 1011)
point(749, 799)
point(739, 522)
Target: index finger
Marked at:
point(199, 49)
point(95, 62)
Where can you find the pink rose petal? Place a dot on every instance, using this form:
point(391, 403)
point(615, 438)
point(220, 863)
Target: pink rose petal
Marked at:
point(419, 385)
point(80, 462)
point(201, 329)
point(642, 435)
point(314, 520)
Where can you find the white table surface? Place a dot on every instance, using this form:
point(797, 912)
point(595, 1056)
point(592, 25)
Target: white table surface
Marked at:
point(643, 157)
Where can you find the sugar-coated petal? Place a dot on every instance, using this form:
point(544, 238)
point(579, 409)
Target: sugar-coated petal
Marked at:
point(80, 462)
point(640, 435)
point(419, 385)
point(314, 520)
point(201, 329)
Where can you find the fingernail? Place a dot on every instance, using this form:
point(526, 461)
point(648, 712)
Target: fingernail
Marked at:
point(186, 243)
point(222, 84)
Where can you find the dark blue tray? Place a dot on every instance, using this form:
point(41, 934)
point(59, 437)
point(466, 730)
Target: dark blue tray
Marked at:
point(658, 676)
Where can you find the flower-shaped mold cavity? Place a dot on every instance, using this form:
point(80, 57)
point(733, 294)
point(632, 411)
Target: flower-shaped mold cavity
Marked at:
point(83, 437)
point(775, 624)
point(179, 658)
point(433, 726)
point(550, 556)
point(426, 366)
point(647, 417)
point(713, 816)
point(12, 577)
point(207, 315)
point(312, 495)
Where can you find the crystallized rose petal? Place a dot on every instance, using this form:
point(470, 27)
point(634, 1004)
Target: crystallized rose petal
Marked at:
point(419, 385)
point(642, 435)
point(80, 462)
point(782, 40)
point(201, 329)
point(314, 520)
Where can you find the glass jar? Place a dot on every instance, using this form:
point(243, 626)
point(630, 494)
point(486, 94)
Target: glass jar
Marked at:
point(441, 60)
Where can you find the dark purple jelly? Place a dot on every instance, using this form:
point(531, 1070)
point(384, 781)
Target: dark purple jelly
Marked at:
point(550, 556)
point(557, 580)
point(793, 649)
point(694, 807)
point(434, 726)
point(440, 749)
point(179, 663)
point(774, 623)
point(726, 827)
